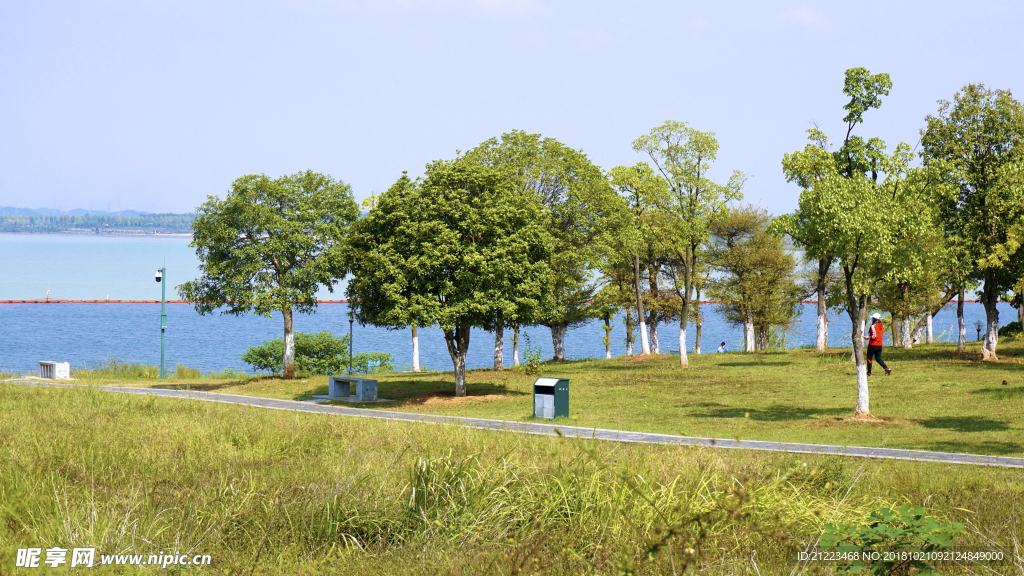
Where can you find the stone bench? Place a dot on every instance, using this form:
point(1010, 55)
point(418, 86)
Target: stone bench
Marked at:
point(54, 370)
point(341, 387)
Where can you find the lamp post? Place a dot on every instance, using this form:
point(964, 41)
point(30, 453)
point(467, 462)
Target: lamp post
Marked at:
point(350, 321)
point(163, 315)
point(978, 324)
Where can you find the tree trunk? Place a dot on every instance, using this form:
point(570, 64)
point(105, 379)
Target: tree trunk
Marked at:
point(748, 332)
point(683, 360)
point(929, 332)
point(863, 409)
point(915, 334)
point(989, 297)
point(697, 336)
point(905, 332)
point(515, 346)
point(645, 344)
point(289, 344)
point(415, 350)
point(499, 346)
point(457, 340)
point(629, 333)
point(699, 323)
point(608, 336)
point(821, 342)
point(961, 340)
point(653, 327)
point(558, 339)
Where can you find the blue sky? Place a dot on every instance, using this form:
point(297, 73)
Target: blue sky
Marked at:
point(155, 104)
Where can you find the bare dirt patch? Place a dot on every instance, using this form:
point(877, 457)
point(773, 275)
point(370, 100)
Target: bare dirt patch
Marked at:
point(855, 421)
point(449, 399)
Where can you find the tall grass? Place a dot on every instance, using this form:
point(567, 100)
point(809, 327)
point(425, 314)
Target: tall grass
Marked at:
point(268, 492)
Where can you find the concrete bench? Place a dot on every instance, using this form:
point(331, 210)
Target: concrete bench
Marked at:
point(341, 387)
point(54, 370)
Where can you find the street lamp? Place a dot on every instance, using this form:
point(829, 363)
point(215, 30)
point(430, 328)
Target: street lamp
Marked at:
point(350, 321)
point(977, 325)
point(163, 315)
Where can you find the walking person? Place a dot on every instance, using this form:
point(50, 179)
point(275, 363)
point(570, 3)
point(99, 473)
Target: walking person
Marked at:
point(875, 342)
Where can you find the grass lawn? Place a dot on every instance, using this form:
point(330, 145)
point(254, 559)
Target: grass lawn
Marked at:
point(935, 399)
point(274, 492)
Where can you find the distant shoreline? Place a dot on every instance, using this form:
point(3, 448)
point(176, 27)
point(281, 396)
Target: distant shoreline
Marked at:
point(104, 234)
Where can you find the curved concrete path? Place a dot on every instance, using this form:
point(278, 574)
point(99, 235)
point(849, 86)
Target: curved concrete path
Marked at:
point(568, 431)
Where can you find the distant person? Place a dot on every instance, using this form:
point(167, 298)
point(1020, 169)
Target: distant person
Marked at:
point(875, 342)
point(722, 348)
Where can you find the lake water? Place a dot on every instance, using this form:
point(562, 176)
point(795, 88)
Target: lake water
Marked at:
point(89, 267)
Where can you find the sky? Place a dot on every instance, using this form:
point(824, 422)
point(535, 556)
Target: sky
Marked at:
point(154, 105)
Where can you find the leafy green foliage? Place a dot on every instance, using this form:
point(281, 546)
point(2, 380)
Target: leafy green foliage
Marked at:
point(270, 245)
point(905, 530)
point(531, 357)
point(577, 201)
point(320, 353)
point(1009, 330)
point(452, 249)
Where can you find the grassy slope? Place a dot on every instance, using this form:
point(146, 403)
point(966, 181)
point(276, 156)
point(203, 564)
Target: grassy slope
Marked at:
point(935, 399)
point(271, 492)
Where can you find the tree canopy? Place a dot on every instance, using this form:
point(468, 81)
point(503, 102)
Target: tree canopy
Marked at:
point(451, 249)
point(269, 245)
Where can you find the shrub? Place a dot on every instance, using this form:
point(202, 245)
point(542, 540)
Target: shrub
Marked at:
point(1011, 329)
point(320, 353)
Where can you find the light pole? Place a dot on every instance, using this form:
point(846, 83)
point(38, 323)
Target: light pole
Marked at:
point(978, 324)
point(350, 320)
point(163, 315)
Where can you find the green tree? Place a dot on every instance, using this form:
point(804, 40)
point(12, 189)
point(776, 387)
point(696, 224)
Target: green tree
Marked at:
point(977, 142)
point(686, 202)
point(269, 245)
point(757, 285)
point(576, 198)
point(870, 228)
point(451, 249)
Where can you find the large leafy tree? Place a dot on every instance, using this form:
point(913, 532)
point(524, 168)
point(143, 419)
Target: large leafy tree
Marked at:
point(576, 200)
point(451, 249)
point(269, 245)
point(686, 202)
point(977, 141)
point(757, 284)
point(869, 226)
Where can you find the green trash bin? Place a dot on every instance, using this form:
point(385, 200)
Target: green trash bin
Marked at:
point(551, 398)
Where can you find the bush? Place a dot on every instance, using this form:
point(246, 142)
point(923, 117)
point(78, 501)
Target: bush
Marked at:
point(320, 353)
point(1011, 329)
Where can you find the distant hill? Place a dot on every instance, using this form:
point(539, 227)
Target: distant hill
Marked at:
point(76, 212)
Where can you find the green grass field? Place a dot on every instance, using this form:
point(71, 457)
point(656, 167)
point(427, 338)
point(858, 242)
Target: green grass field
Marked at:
point(273, 492)
point(935, 399)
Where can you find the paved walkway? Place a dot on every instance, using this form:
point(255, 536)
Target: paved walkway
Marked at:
point(568, 431)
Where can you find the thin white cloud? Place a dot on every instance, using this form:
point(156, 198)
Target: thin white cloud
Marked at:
point(802, 15)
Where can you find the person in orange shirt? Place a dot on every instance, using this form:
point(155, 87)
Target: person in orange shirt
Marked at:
point(875, 342)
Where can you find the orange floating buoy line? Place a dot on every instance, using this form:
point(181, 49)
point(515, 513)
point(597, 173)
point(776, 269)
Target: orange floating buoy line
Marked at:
point(128, 302)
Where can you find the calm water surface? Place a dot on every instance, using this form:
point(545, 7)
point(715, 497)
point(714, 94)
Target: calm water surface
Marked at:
point(88, 267)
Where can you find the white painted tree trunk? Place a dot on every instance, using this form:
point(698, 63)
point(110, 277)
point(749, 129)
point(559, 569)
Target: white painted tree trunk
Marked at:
point(905, 336)
point(499, 347)
point(655, 346)
point(748, 334)
point(457, 340)
point(645, 343)
point(684, 361)
point(515, 346)
point(415, 350)
point(558, 339)
point(697, 337)
point(863, 398)
point(988, 348)
point(289, 344)
point(929, 331)
point(821, 342)
point(629, 334)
